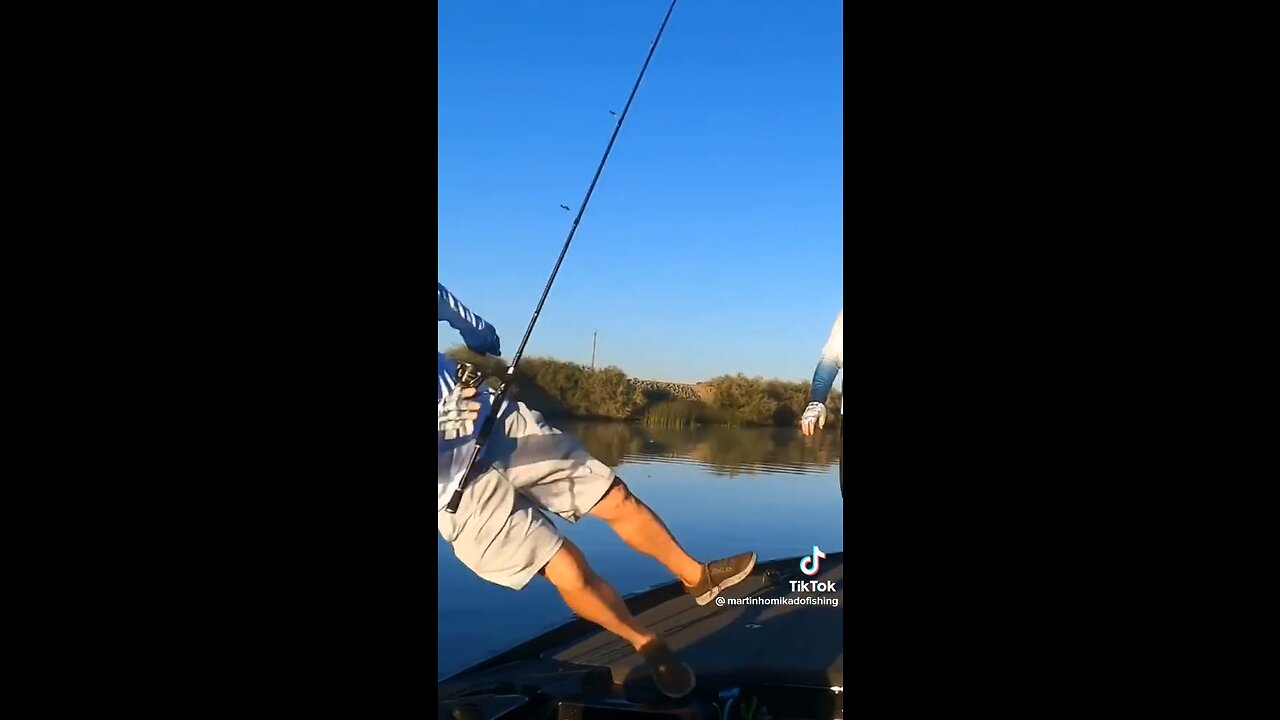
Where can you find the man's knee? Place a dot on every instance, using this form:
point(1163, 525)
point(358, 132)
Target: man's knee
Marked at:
point(616, 503)
point(568, 569)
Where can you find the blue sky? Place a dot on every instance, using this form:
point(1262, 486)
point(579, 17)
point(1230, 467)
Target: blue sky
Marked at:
point(714, 241)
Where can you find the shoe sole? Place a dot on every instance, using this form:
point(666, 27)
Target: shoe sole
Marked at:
point(692, 685)
point(732, 580)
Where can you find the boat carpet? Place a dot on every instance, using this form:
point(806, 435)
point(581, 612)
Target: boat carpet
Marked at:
point(775, 643)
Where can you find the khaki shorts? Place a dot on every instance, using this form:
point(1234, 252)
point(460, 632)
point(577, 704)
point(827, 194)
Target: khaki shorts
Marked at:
point(502, 531)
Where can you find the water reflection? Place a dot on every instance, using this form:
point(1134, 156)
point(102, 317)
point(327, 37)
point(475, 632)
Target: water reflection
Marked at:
point(728, 452)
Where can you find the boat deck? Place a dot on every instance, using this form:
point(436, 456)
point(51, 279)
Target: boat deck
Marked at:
point(727, 646)
point(794, 644)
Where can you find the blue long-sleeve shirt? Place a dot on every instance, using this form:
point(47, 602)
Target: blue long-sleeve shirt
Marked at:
point(829, 364)
point(481, 337)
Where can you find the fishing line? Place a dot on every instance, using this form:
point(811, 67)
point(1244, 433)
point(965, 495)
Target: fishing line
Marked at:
point(495, 407)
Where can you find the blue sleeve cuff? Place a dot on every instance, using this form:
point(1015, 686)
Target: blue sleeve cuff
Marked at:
point(823, 378)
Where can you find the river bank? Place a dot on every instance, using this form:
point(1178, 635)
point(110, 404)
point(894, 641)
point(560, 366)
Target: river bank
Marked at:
point(560, 389)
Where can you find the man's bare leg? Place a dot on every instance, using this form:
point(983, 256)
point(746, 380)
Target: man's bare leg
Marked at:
point(640, 528)
point(593, 599)
point(588, 595)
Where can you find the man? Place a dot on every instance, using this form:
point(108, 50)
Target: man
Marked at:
point(829, 364)
point(527, 469)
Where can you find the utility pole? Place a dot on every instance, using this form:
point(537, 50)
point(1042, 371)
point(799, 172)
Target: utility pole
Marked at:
point(593, 350)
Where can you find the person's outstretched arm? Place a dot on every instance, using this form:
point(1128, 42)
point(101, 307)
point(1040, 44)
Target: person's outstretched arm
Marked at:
point(479, 336)
point(824, 376)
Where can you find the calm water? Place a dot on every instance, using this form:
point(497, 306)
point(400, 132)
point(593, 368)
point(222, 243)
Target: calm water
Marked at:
point(721, 491)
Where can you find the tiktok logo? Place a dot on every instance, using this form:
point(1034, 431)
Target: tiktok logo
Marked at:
point(809, 563)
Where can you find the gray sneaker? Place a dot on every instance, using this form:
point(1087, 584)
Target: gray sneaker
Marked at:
point(718, 575)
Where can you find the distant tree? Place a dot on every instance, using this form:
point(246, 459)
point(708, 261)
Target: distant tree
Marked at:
point(558, 388)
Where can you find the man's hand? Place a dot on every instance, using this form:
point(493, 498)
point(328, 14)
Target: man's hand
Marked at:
point(456, 414)
point(815, 413)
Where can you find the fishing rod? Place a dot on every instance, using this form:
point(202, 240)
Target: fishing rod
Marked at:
point(495, 407)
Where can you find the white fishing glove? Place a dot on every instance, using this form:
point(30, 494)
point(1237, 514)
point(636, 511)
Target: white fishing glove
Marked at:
point(457, 415)
point(814, 413)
